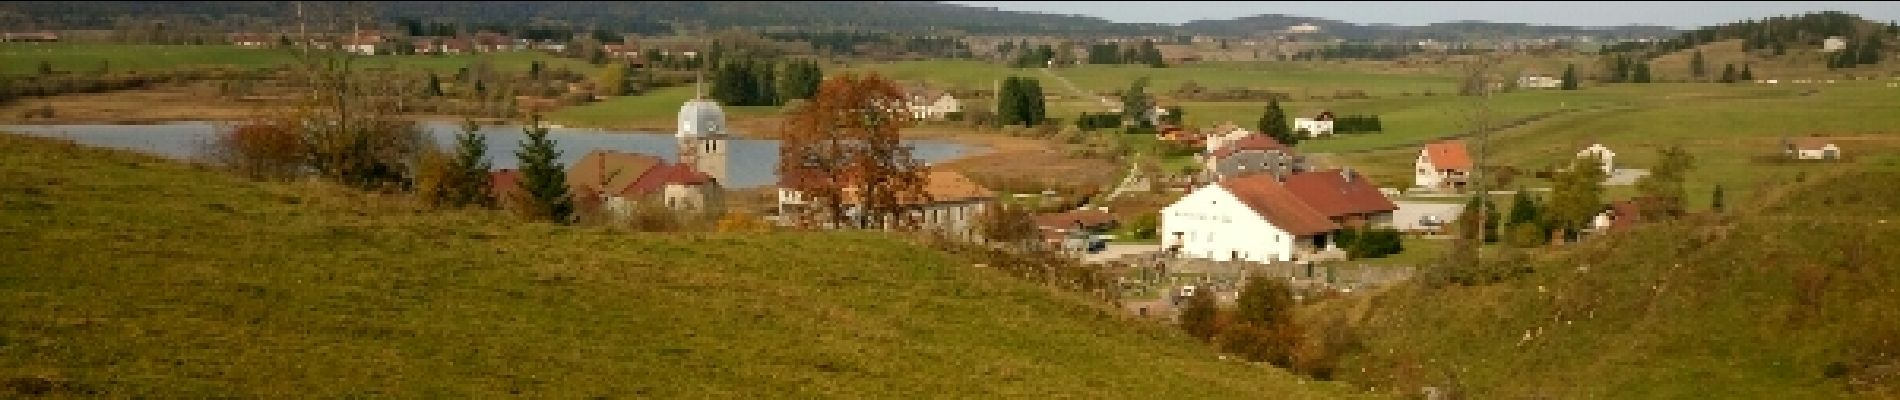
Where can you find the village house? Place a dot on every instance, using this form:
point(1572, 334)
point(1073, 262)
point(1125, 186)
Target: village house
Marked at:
point(251, 40)
point(41, 36)
point(1442, 166)
point(1812, 148)
point(1220, 136)
point(1539, 81)
point(933, 105)
point(1074, 230)
point(1260, 218)
point(1617, 216)
point(951, 205)
point(367, 42)
point(1833, 44)
point(1603, 154)
point(1253, 154)
point(1317, 126)
point(620, 181)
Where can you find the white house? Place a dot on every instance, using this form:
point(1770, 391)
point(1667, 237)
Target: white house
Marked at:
point(934, 106)
point(1833, 44)
point(1812, 149)
point(1251, 218)
point(1321, 125)
point(1602, 154)
point(1222, 136)
point(1303, 28)
point(1442, 165)
point(1538, 81)
point(1264, 218)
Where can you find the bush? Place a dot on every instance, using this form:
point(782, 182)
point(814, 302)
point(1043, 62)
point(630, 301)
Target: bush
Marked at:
point(1371, 243)
point(260, 150)
point(1256, 343)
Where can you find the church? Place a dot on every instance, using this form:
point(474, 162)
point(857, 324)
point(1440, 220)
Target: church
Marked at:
point(620, 181)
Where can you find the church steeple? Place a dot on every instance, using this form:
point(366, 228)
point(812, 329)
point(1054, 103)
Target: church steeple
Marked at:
point(699, 85)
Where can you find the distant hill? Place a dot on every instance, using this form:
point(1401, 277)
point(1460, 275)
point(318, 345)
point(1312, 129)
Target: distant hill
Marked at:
point(209, 286)
point(649, 16)
point(1266, 23)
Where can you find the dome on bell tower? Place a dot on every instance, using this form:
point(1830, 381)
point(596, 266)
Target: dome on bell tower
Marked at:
point(701, 118)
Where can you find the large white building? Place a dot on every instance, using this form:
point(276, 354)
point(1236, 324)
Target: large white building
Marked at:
point(1263, 218)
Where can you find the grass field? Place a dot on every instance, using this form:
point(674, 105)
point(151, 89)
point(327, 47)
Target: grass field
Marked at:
point(25, 58)
point(1757, 305)
point(658, 109)
point(1298, 79)
point(1724, 126)
point(128, 276)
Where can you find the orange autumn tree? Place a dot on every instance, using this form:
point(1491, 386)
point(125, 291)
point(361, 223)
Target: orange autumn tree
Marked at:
point(841, 150)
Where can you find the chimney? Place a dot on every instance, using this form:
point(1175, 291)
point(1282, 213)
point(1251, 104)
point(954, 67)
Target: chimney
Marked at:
point(1346, 173)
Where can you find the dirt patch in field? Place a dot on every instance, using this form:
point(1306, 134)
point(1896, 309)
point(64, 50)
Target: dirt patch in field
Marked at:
point(193, 102)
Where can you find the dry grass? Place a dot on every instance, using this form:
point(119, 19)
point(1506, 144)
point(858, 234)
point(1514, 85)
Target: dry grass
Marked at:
point(128, 276)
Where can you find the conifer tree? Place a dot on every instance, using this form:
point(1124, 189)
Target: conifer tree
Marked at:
point(1747, 76)
point(1570, 77)
point(1274, 124)
point(1696, 68)
point(543, 178)
point(1728, 74)
point(470, 169)
point(1641, 73)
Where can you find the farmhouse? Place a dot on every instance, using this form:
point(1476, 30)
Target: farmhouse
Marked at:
point(1259, 218)
point(951, 205)
point(1317, 126)
point(1813, 148)
point(1442, 165)
point(1833, 44)
point(933, 105)
point(1072, 230)
point(1253, 154)
point(1601, 153)
point(620, 181)
point(1221, 135)
point(1539, 81)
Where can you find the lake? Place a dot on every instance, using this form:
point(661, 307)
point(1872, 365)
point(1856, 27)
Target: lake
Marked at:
point(754, 162)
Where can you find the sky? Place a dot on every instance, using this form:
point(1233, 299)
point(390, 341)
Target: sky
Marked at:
point(1679, 14)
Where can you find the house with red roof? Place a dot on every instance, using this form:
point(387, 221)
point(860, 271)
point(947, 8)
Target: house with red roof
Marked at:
point(1264, 218)
point(950, 205)
point(1443, 165)
point(621, 181)
point(1252, 154)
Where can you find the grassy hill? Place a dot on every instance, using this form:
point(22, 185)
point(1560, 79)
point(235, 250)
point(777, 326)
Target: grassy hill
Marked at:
point(1792, 296)
point(129, 276)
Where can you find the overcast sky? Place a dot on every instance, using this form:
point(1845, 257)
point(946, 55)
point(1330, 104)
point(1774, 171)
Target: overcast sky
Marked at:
point(1572, 13)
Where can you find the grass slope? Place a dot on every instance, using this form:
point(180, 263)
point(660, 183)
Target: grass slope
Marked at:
point(125, 275)
point(1757, 305)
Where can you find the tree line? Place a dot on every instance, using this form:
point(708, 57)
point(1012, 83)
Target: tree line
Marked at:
point(760, 83)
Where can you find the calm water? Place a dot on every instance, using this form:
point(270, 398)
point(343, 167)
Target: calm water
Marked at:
point(753, 161)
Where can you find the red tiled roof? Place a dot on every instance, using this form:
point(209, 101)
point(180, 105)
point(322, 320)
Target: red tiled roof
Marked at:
point(1068, 220)
point(1811, 143)
point(609, 171)
point(1330, 193)
point(660, 176)
point(1251, 142)
point(504, 182)
point(1279, 206)
point(1448, 154)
